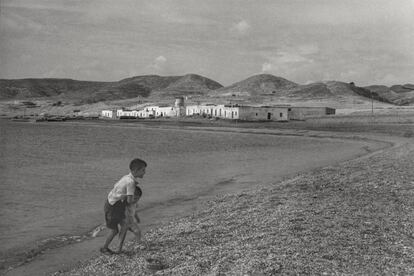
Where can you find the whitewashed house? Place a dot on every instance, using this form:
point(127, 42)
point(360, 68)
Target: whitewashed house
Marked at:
point(199, 109)
point(148, 111)
point(122, 114)
point(240, 112)
point(111, 114)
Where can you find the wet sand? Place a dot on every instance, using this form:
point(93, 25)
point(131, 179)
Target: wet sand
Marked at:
point(219, 173)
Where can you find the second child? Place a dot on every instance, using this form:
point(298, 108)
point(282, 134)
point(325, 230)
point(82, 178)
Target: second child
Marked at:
point(131, 219)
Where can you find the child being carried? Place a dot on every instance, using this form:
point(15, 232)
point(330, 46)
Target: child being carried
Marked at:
point(131, 220)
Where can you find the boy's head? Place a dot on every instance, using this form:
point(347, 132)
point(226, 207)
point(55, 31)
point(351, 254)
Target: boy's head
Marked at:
point(137, 193)
point(137, 167)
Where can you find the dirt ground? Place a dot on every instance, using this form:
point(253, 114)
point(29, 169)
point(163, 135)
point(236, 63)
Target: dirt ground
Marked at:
point(355, 218)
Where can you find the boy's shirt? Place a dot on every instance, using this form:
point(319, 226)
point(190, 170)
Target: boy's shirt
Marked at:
point(123, 188)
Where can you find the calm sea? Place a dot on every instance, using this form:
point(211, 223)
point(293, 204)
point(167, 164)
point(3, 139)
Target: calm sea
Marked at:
point(54, 177)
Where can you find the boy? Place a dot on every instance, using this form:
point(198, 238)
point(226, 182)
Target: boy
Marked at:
point(118, 199)
point(131, 220)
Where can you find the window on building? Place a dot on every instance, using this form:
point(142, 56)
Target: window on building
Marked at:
point(257, 114)
point(281, 115)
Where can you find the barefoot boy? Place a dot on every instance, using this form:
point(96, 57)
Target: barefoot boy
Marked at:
point(118, 199)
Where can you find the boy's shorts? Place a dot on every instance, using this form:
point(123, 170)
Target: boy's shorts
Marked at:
point(114, 214)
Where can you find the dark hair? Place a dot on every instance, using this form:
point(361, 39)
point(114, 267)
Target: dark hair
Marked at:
point(138, 191)
point(137, 164)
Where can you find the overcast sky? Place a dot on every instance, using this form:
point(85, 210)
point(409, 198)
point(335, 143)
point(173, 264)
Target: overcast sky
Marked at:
point(365, 41)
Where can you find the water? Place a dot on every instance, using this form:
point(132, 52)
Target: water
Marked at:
point(54, 177)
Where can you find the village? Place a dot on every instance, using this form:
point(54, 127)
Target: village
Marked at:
point(281, 113)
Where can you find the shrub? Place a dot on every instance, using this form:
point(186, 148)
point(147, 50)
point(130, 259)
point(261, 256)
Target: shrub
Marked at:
point(409, 133)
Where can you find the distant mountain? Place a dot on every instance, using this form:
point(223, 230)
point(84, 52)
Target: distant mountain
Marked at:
point(257, 85)
point(259, 88)
point(277, 87)
point(193, 82)
point(152, 82)
point(89, 91)
point(396, 94)
point(28, 88)
point(333, 91)
point(83, 91)
point(349, 92)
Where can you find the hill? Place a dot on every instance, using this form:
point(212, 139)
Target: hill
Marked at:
point(257, 85)
point(193, 82)
point(260, 89)
point(33, 88)
point(396, 94)
point(269, 88)
point(190, 84)
point(151, 82)
point(68, 89)
point(89, 91)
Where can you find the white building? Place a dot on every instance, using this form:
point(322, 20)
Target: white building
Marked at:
point(122, 114)
point(148, 111)
point(249, 113)
point(154, 111)
point(108, 114)
point(168, 111)
point(231, 111)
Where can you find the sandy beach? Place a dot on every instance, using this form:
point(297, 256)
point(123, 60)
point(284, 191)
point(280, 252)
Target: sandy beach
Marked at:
point(64, 259)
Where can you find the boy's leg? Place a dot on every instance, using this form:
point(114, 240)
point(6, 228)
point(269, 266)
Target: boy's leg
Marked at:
point(122, 235)
point(105, 249)
point(112, 219)
point(110, 237)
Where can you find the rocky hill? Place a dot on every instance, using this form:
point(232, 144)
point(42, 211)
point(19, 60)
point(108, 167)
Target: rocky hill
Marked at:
point(152, 82)
point(396, 94)
point(89, 92)
point(68, 89)
point(274, 88)
point(329, 90)
point(257, 85)
point(193, 82)
point(187, 85)
point(263, 88)
point(32, 88)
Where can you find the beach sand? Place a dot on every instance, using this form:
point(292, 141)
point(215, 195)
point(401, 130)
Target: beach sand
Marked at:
point(242, 178)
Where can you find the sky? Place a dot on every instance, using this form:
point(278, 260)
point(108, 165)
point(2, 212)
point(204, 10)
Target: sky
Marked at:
point(367, 42)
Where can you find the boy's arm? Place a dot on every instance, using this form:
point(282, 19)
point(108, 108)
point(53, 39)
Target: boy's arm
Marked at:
point(130, 190)
point(130, 199)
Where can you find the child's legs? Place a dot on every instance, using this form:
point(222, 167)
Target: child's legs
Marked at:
point(122, 235)
point(136, 230)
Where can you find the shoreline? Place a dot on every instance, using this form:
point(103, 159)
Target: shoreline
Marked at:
point(329, 136)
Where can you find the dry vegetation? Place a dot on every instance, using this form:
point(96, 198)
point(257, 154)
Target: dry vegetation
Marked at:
point(356, 218)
